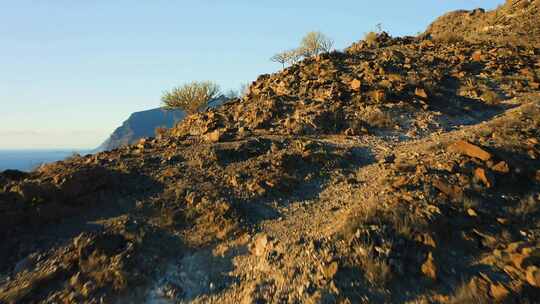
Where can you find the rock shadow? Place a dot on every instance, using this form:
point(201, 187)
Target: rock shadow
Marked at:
point(46, 216)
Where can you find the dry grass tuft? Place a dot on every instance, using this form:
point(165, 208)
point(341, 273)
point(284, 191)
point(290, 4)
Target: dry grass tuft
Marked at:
point(469, 293)
point(371, 38)
point(376, 270)
point(490, 97)
point(376, 118)
point(449, 38)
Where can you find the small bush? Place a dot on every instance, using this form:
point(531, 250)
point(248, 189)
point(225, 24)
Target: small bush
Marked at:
point(490, 97)
point(191, 97)
point(376, 118)
point(371, 38)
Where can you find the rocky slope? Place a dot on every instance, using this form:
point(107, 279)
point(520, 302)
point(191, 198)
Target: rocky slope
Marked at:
point(516, 22)
point(403, 170)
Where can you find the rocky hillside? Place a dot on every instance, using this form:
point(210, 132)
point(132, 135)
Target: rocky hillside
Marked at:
point(402, 170)
point(516, 22)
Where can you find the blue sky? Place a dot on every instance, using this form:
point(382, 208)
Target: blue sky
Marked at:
point(72, 70)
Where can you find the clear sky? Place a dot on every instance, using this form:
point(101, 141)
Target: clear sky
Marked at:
point(72, 70)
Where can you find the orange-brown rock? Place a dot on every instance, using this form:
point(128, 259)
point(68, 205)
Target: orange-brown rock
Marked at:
point(472, 212)
point(454, 192)
point(400, 182)
point(420, 92)
point(499, 292)
point(330, 270)
point(213, 136)
point(532, 275)
point(483, 176)
point(466, 148)
point(429, 268)
point(477, 56)
point(518, 259)
point(356, 85)
point(260, 245)
point(501, 167)
point(378, 95)
point(426, 239)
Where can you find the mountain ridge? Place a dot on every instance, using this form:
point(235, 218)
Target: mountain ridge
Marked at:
point(140, 124)
point(143, 124)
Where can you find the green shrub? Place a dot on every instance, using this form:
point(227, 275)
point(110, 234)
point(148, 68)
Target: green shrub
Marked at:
point(191, 97)
point(371, 38)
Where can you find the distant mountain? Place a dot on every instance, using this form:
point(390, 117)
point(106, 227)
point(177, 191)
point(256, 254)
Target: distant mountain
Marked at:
point(143, 124)
point(139, 125)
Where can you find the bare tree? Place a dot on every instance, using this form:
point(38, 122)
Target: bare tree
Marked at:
point(294, 56)
point(191, 97)
point(282, 58)
point(315, 43)
point(290, 56)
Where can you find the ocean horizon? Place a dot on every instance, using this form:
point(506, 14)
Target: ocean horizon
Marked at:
point(29, 159)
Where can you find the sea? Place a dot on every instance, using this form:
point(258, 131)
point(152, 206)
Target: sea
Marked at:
point(27, 160)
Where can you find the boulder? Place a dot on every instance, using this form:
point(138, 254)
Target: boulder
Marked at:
point(454, 192)
point(214, 136)
point(419, 92)
point(429, 268)
point(499, 292)
point(532, 275)
point(260, 245)
point(466, 148)
point(356, 85)
point(484, 176)
point(501, 167)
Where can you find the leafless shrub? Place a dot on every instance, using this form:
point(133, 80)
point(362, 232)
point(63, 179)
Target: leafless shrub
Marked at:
point(281, 58)
point(315, 43)
point(290, 57)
